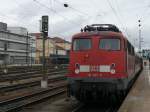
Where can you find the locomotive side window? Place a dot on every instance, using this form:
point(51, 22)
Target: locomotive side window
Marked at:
point(110, 44)
point(82, 44)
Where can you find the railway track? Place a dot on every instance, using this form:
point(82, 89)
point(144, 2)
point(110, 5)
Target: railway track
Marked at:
point(20, 72)
point(27, 99)
point(15, 70)
point(30, 84)
point(28, 75)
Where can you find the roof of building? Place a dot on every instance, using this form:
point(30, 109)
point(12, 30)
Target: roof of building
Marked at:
point(60, 40)
point(36, 34)
point(55, 39)
point(7, 32)
point(59, 48)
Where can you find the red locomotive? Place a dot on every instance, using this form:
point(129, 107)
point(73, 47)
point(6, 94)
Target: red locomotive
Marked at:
point(102, 62)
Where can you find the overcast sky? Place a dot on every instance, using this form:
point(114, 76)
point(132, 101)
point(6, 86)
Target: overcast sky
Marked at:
point(65, 22)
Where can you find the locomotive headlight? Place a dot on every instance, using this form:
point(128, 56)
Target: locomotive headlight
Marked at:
point(77, 68)
point(112, 71)
point(112, 68)
point(77, 71)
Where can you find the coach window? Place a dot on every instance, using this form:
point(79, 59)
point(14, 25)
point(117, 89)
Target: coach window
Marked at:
point(130, 48)
point(82, 44)
point(133, 50)
point(110, 44)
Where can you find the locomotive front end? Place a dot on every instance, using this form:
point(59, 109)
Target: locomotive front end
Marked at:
point(97, 64)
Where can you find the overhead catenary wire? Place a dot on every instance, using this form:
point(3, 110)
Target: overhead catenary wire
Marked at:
point(54, 12)
point(118, 8)
point(146, 17)
point(65, 18)
point(20, 23)
point(74, 9)
point(19, 5)
point(51, 20)
point(118, 18)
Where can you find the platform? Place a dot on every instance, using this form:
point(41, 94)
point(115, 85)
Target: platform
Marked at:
point(138, 99)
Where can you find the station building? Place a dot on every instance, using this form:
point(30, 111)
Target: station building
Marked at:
point(15, 45)
point(54, 47)
point(62, 43)
point(49, 47)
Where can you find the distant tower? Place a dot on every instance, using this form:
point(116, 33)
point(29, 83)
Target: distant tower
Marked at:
point(140, 40)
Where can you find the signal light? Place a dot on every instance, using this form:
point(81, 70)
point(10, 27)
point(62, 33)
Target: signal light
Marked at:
point(45, 23)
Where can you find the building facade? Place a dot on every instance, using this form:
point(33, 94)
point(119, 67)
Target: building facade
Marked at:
point(32, 53)
point(62, 45)
point(14, 48)
point(18, 30)
point(49, 47)
point(53, 47)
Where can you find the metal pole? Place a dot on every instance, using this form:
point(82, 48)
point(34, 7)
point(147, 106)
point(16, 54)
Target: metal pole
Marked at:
point(31, 46)
point(44, 82)
point(27, 49)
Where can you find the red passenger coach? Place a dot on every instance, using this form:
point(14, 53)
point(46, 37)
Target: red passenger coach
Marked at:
point(102, 62)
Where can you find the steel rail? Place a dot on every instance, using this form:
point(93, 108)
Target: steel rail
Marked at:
point(29, 84)
point(27, 76)
point(22, 69)
point(16, 103)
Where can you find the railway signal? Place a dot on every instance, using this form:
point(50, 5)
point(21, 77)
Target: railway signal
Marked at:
point(44, 81)
point(45, 25)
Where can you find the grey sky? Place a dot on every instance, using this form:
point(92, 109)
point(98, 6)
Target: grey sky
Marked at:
point(65, 22)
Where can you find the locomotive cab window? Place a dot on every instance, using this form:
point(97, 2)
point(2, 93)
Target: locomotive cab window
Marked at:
point(109, 44)
point(82, 44)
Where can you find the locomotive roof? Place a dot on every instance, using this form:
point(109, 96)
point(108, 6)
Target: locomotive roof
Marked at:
point(100, 33)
